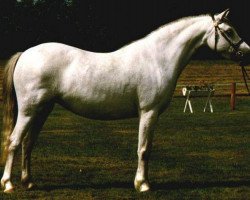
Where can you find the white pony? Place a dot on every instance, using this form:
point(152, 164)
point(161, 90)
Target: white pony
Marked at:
point(137, 80)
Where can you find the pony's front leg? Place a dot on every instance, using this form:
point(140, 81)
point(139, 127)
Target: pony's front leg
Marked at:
point(148, 120)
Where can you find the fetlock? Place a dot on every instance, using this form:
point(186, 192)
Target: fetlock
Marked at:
point(141, 185)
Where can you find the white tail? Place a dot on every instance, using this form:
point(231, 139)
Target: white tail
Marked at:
point(9, 104)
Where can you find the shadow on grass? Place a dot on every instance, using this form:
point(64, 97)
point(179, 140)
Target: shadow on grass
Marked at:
point(121, 185)
point(198, 185)
point(155, 186)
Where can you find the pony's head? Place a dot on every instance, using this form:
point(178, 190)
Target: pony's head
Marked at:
point(224, 39)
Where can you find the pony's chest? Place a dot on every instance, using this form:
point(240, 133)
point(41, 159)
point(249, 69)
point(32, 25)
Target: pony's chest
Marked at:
point(156, 92)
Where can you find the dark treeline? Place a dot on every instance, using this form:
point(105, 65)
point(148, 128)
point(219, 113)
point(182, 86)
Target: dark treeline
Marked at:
point(97, 25)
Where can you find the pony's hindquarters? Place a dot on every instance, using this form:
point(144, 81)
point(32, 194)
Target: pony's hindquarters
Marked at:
point(26, 107)
point(9, 104)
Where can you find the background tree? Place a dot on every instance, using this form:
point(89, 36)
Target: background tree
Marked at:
point(100, 25)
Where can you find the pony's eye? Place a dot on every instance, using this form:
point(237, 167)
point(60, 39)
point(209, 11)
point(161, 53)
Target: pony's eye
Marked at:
point(229, 32)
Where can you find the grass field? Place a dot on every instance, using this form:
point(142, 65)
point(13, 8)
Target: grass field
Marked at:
point(195, 156)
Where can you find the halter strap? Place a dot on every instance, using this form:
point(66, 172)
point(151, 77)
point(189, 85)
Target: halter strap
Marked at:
point(235, 47)
point(224, 35)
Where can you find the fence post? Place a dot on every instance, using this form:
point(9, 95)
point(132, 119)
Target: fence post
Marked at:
point(233, 96)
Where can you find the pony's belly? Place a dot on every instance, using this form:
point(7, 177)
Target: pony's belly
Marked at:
point(105, 110)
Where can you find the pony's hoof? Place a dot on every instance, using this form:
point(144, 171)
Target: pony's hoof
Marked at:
point(142, 186)
point(29, 185)
point(9, 190)
point(8, 187)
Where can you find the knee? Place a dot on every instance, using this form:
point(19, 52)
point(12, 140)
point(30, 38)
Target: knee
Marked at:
point(144, 154)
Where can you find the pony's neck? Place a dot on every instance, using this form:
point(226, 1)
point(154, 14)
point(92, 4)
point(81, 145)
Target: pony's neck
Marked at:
point(178, 41)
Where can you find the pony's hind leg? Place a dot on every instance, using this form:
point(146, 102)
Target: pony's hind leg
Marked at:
point(28, 143)
point(16, 137)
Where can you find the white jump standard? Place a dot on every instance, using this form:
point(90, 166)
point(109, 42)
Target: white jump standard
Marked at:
point(196, 91)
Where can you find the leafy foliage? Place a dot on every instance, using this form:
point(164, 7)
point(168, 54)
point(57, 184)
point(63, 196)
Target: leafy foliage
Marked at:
point(26, 23)
point(97, 25)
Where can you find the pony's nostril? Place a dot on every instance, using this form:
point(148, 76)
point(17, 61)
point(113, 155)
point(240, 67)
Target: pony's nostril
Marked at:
point(239, 54)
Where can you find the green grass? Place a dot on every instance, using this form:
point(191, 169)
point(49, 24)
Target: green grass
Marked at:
point(195, 156)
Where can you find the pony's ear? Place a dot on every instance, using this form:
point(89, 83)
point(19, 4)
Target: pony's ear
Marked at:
point(223, 15)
